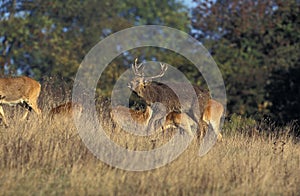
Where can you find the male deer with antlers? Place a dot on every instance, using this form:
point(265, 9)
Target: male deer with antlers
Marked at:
point(210, 111)
point(22, 91)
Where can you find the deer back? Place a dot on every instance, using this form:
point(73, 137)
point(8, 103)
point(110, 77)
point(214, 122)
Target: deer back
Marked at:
point(13, 89)
point(177, 97)
point(183, 102)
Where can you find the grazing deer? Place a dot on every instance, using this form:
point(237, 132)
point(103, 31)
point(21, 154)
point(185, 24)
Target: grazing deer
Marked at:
point(125, 114)
point(22, 91)
point(146, 118)
point(210, 111)
point(65, 110)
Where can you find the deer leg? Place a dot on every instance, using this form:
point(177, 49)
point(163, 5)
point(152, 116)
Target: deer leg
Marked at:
point(186, 127)
point(186, 122)
point(25, 105)
point(216, 127)
point(25, 115)
point(32, 106)
point(212, 116)
point(163, 131)
point(165, 128)
point(203, 126)
point(35, 109)
point(33, 101)
point(3, 116)
point(28, 106)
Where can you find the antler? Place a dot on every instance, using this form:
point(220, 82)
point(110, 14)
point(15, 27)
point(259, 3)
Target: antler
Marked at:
point(164, 68)
point(136, 67)
point(138, 70)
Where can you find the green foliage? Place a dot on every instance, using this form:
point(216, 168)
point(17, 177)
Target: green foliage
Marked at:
point(248, 40)
point(239, 124)
point(44, 37)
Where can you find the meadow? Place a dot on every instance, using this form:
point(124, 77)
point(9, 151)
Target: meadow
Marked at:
point(43, 157)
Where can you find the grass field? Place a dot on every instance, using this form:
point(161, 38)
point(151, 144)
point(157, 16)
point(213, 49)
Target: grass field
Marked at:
point(42, 157)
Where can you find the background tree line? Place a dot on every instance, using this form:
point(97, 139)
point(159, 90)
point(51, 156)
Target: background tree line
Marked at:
point(255, 44)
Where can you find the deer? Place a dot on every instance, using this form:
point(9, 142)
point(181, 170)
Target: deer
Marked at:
point(212, 115)
point(125, 114)
point(210, 110)
point(66, 110)
point(23, 91)
point(146, 118)
point(179, 120)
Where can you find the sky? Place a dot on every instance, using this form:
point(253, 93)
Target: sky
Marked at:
point(189, 3)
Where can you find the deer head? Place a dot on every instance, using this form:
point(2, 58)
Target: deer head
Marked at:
point(140, 81)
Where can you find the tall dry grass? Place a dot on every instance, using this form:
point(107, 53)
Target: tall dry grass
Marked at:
point(40, 157)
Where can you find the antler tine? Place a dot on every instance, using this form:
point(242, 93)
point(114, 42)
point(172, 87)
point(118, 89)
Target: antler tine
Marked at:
point(164, 68)
point(136, 67)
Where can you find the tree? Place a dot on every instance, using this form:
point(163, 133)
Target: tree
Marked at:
point(248, 40)
point(284, 92)
point(44, 37)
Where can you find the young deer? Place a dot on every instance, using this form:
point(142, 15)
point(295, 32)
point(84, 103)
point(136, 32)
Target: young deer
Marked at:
point(125, 114)
point(65, 110)
point(179, 120)
point(148, 118)
point(22, 91)
point(210, 111)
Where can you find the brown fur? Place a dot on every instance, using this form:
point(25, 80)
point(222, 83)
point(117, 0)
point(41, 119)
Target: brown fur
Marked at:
point(153, 92)
point(210, 111)
point(66, 110)
point(173, 119)
point(212, 116)
point(139, 116)
point(179, 120)
point(22, 91)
